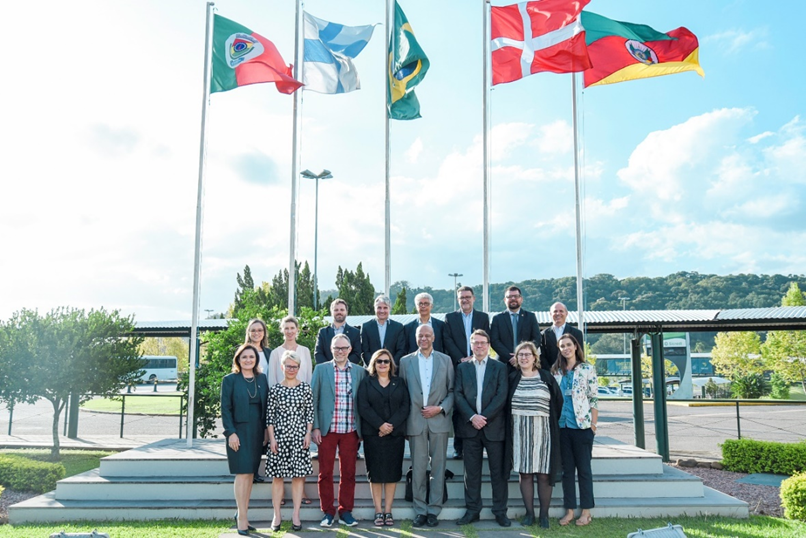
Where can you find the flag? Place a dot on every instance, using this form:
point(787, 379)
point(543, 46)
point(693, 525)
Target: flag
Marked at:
point(622, 51)
point(328, 52)
point(408, 64)
point(531, 37)
point(242, 57)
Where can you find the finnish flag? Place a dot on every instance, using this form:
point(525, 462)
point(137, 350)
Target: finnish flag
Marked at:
point(328, 52)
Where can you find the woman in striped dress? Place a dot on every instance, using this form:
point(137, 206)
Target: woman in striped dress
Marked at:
point(535, 403)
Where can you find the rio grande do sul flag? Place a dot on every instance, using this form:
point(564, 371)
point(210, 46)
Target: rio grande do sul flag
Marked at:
point(621, 51)
point(242, 57)
point(542, 35)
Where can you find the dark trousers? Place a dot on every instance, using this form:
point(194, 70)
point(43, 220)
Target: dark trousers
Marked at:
point(473, 459)
point(576, 448)
point(457, 441)
point(347, 446)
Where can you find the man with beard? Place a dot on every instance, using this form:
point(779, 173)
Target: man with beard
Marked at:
point(322, 353)
point(511, 327)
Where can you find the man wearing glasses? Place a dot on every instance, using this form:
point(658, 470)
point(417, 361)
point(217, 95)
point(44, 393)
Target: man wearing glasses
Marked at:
point(338, 309)
point(511, 327)
point(336, 426)
point(429, 377)
point(424, 302)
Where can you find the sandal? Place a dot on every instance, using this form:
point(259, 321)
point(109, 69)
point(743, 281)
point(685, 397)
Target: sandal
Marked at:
point(379, 519)
point(582, 521)
point(566, 519)
point(388, 520)
point(306, 500)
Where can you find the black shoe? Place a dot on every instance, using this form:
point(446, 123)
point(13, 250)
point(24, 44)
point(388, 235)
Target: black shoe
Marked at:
point(248, 527)
point(276, 528)
point(419, 521)
point(468, 518)
point(295, 527)
point(432, 520)
point(457, 455)
point(258, 479)
point(243, 533)
point(544, 522)
point(528, 520)
point(503, 520)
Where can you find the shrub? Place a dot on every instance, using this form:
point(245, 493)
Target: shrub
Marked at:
point(750, 386)
point(22, 474)
point(793, 497)
point(780, 387)
point(751, 456)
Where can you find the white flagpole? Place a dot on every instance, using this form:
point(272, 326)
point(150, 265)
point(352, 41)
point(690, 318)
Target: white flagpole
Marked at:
point(580, 302)
point(194, 323)
point(292, 247)
point(485, 160)
point(387, 201)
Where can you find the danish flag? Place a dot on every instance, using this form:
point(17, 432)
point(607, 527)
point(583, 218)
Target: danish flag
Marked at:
point(542, 35)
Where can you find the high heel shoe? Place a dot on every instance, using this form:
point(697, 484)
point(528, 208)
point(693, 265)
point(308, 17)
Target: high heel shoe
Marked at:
point(296, 527)
point(276, 527)
point(248, 527)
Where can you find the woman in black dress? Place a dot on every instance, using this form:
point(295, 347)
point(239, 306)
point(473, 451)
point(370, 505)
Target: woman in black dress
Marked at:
point(244, 395)
point(383, 404)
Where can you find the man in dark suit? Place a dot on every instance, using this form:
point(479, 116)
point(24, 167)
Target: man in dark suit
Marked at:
point(382, 332)
point(461, 325)
point(480, 394)
point(503, 337)
point(548, 347)
point(338, 309)
point(424, 302)
point(429, 377)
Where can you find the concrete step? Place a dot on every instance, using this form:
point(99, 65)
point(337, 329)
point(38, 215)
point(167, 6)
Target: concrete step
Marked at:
point(91, 485)
point(46, 508)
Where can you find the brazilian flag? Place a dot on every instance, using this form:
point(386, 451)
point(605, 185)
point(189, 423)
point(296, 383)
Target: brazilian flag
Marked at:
point(408, 65)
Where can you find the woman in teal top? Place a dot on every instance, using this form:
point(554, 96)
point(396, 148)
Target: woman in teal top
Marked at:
point(578, 418)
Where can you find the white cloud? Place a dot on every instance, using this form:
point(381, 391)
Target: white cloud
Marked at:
point(414, 151)
point(735, 41)
point(759, 137)
point(555, 138)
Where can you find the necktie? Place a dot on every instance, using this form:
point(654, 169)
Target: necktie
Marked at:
point(514, 318)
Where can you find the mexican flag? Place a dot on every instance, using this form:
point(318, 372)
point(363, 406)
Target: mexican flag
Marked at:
point(622, 51)
point(242, 57)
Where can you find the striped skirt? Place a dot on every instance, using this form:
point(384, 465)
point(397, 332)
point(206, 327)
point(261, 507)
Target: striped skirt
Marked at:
point(531, 443)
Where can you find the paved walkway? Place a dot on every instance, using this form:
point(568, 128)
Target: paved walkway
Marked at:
point(446, 529)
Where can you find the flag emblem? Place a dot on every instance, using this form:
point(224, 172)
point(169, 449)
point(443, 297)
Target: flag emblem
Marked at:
point(641, 52)
point(241, 48)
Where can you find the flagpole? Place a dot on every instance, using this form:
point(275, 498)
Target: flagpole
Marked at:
point(580, 301)
point(194, 323)
point(292, 247)
point(485, 157)
point(387, 200)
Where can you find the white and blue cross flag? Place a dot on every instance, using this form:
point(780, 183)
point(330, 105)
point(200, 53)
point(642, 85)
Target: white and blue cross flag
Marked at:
point(328, 52)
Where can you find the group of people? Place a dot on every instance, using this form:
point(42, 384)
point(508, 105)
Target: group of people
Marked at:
point(533, 409)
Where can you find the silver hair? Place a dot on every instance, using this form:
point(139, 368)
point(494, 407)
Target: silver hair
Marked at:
point(383, 299)
point(423, 295)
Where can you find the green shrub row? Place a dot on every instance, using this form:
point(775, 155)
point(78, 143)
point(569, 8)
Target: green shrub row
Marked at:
point(22, 474)
point(793, 497)
point(750, 456)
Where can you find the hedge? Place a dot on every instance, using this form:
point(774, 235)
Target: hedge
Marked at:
point(793, 497)
point(22, 474)
point(750, 456)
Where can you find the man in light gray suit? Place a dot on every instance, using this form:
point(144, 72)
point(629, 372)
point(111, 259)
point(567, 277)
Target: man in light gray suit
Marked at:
point(337, 426)
point(429, 376)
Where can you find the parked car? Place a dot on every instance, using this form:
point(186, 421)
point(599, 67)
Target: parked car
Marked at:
point(609, 391)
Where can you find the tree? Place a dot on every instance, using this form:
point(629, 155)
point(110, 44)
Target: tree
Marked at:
point(737, 355)
point(68, 352)
point(357, 290)
point(784, 352)
point(400, 302)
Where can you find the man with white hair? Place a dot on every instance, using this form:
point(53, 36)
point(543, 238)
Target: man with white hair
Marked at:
point(424, 303)
point(551, 335)
point(382, 332)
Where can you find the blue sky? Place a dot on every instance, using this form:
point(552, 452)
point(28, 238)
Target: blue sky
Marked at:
point(100, 139)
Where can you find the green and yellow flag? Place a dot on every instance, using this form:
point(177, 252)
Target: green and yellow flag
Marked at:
point(408, 65)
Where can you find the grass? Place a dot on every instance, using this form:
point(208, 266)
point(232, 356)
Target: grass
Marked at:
point(137, 403)
point(74, 461)
point(694, 527)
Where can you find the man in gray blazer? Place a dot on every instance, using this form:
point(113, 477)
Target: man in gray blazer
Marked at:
point(337, 426)
point(480, 396)
point(429, 376)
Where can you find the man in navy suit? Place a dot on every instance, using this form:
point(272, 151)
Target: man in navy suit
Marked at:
point(424, 302)
point(382, 332)
point(461, 325)
point(548, 347)
point(322, 353)
point(480, 394)
point(503, 337)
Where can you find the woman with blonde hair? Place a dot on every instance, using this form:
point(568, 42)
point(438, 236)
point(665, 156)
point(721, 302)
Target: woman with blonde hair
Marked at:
point(289, 326)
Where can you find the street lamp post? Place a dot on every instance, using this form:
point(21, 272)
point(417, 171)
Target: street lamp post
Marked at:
point(455, 276)
point(623, 308)
point(324, 174)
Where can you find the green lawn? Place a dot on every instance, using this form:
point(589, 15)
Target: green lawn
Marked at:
point(137, 403)
point(74, 461)
point(700, 527)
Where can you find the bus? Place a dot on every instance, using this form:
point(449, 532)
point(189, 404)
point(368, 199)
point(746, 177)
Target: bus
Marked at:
point(159, 368)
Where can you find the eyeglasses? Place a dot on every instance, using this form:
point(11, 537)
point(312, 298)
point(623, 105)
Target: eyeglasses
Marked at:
point(525, 355)
point(481, 343)
point(341, 349)
point(512, 296)
point(383, 361)
point(424, 304)
point(290, 366)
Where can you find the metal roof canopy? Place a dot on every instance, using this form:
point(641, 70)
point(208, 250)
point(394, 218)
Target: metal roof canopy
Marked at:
point(790, 318)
